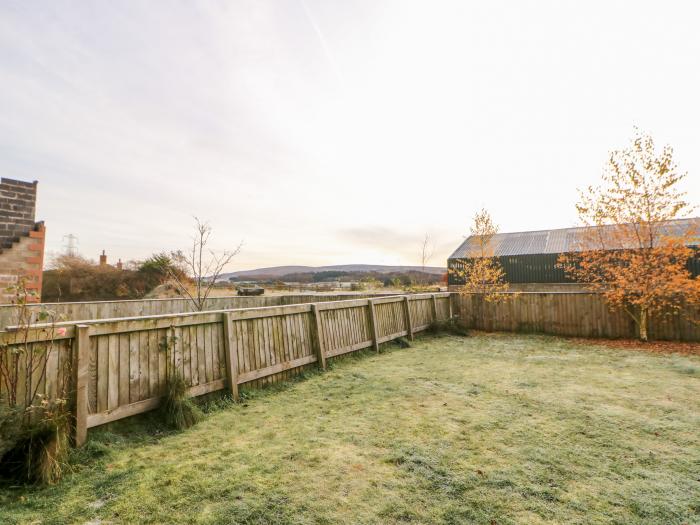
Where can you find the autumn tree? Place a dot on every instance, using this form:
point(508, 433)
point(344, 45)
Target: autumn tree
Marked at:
point(481, 272)
point(199, 267)
point(628, 250)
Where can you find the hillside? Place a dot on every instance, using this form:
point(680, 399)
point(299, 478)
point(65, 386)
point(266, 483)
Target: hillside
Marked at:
point(279, 271)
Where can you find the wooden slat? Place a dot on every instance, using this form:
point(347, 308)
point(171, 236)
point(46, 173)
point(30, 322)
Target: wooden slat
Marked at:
point(144, 386)
point(162, 342)
point(153, 372)
point(269, 311)
point(270, 370)
point(123, 369)
point(335, 305)
point(320, 348)
point(134, 373)
point(231, 355)
point(386, 300)
point(350, 348)
point(102, 373)
point(92, 372)
point(81, 372)
point(395, 335)
point(373, 325)
point(51, 371)
point(201, 354)
point(185, 349)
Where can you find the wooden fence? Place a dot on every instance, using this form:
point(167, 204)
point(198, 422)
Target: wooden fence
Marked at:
point(75, 311)
point(117, 368)
point(576, 314)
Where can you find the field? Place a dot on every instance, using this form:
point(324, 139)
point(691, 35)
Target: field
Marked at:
point(491, 429)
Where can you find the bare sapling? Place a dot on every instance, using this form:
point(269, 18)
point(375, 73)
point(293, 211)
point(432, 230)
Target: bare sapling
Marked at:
point(34, 428)
point(201, 266)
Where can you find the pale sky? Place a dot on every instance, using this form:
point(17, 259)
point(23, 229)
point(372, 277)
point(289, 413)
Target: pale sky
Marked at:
point(332, 132)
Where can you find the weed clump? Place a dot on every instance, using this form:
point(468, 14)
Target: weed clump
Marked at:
point(402, 342)
point(178, 410)
point(449, 326)
point(34, 444)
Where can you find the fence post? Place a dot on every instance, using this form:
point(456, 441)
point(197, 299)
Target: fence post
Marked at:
point(320, 343)
point(80, 381)
point(435, 318)
point(231, 356)
point(373, 325)
point(449, 301)
point(409, 321)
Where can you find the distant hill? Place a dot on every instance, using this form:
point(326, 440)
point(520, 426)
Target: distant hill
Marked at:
point(279, 271)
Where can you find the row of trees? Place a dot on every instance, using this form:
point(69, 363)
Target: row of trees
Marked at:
point(627, 250)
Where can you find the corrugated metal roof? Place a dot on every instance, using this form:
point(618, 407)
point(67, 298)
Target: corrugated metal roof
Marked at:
point(554, 241)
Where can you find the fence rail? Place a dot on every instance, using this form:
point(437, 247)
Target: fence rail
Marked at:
point(74, 311)
point(117, 368)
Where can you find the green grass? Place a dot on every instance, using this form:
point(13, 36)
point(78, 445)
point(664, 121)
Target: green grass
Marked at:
point(489, 429)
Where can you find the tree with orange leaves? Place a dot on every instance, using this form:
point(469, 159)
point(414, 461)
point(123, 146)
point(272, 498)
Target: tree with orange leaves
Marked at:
point(629, 251)
point(482, 273)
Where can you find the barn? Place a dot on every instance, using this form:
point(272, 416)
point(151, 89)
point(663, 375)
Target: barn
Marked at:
point(529, 259)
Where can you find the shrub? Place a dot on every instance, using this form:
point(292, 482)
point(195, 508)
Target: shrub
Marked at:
point(178, 410)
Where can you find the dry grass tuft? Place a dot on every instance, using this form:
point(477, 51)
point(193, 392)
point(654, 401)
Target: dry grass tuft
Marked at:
point(178, 410)
point(36, 451)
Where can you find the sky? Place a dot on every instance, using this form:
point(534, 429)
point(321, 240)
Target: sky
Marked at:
point(332, 132)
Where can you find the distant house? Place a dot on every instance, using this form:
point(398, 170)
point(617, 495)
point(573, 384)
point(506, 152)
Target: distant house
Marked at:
point(529, 259)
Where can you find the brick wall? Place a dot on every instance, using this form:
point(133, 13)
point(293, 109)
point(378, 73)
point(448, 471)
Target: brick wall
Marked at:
point(17, 209)
point(21, 239)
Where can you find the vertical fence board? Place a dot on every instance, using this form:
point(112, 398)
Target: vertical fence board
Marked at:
point(102, 373)
point(81, 378)
point(134, 372)
point(124, 369)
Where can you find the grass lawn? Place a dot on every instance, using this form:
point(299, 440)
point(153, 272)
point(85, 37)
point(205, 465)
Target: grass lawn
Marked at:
point(486, 429)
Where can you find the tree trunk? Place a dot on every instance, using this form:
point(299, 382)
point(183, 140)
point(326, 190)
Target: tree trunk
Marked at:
point(643, 319)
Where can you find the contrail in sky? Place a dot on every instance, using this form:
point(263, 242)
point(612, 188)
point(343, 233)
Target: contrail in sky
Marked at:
point(324, 44)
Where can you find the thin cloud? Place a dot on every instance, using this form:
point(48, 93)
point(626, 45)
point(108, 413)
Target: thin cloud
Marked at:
point(324, 44)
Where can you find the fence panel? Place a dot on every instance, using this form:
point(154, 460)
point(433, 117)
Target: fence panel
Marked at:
point(43, 367)
point(390, 318)
point(271, 344)
point(128, 361)
point(346, 329)
point(421, 312)
point(575, 314)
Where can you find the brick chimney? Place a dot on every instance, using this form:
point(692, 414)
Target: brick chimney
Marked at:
point(21, 240)
point(103, 259)
point(120, 265)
